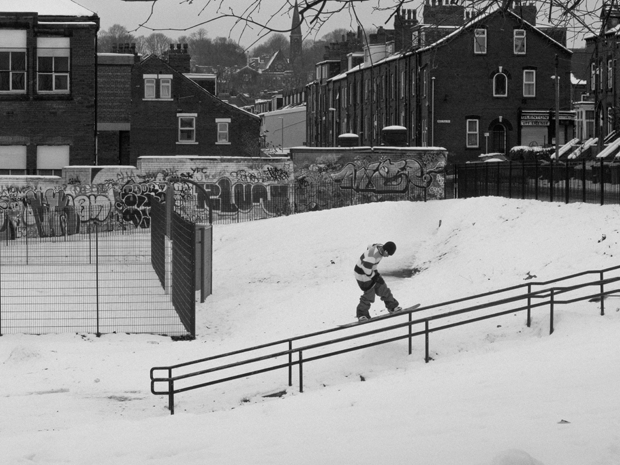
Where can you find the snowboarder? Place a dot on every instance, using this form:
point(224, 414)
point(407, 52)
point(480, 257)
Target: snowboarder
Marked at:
point(371, 282)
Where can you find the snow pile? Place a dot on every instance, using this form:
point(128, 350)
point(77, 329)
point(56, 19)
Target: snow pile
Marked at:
point(496, 392)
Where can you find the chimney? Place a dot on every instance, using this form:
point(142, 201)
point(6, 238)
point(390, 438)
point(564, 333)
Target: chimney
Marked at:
point(178, 58)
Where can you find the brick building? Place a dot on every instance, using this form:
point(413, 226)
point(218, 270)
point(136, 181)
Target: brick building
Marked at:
point(152, 106)
point(469, 83)
point(47, 96)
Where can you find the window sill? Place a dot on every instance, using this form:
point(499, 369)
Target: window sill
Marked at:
point(187, 143)
point(222, 143)
point(158, 100)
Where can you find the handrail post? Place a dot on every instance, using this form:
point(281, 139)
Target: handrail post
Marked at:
point(170, 392)
point(290, 363)
point(301, 372)
point(426, 342)
point(410, 336)
point(551, 311)
point(529, 305)
point(602, 295)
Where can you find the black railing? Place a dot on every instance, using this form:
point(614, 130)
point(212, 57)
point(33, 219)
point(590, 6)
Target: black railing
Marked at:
point(592, 181)
point(298, 351)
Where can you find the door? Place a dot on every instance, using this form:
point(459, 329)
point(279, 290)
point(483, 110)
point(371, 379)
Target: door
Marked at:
point(498, 139)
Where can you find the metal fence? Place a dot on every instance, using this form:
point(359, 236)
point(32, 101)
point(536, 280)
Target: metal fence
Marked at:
point(532, 300)
point(565, 181)
point(93, 277)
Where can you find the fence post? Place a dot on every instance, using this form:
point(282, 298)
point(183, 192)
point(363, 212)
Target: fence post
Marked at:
point(97, 274)
point(523, 180)
point(551, 181)
point(170, 392)
point(567, 182)
point(529, 305)
point(510, 179)
point(602, 181)
point(301, 372)
point(602, 295)
point(410, 336)
point(583, 180)
point(290, 363)
point(427, 357)
point(551, 311)
point(536, 179)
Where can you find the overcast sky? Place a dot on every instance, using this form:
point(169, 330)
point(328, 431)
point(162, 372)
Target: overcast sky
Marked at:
point(179, 14)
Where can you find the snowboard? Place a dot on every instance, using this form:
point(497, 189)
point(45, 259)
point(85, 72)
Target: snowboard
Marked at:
point(379, 317)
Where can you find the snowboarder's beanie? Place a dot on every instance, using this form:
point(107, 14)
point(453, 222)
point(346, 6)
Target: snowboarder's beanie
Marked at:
point(389, 247)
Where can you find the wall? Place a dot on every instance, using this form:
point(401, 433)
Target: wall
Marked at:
point(239, 188)
point(335, 177)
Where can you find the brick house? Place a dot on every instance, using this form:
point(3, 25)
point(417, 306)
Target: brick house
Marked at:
point(47, 96)
point(155, 106)
point(173, 115)
point(469, 83)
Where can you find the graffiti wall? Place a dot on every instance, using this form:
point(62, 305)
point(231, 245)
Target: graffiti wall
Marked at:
point(328, 178)
point(235, 189)
point(119, 197)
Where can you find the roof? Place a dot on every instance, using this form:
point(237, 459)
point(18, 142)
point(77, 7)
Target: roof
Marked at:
point(45, 7)
point(484, 16)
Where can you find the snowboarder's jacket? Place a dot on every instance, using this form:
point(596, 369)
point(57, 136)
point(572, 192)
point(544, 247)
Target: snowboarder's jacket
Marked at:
point(366, 268)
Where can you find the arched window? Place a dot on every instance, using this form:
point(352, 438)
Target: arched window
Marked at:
point(500, 85)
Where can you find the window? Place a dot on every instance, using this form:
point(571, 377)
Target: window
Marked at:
point(600, 76)
point(473, 133)
point(500, 85)
point(480, 41)
point(610, 120)
point(529, 83)
point(157, 86)
point(165, 88)
point(519, 41)
point(53, 65)
point(149, 88)
point(222, 130)
point(187, 128)
point(13, 159)
point(592, 77)
point(424, 83)
point(610, 74)
point(51, 159)
point(13, 61)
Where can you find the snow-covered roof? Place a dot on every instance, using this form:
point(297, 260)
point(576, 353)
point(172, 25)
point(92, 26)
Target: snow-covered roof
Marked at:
point(45, 7)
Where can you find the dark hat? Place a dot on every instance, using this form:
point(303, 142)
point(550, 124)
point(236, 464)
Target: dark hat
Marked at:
point(389, 247)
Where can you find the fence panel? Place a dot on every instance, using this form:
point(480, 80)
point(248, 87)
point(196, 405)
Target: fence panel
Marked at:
point(184, 275)
point(567, 181)
point(89, 276)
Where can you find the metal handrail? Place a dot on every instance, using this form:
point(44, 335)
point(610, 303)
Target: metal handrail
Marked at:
point(290, 348)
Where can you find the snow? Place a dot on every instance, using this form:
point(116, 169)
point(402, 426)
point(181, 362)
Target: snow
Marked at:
point(45, 7)
point(495, 393)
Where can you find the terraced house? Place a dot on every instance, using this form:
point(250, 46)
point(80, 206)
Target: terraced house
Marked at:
point(472, 83)
point(47, 92)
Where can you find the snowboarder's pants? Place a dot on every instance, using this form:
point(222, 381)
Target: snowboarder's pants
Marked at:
point(378, 288)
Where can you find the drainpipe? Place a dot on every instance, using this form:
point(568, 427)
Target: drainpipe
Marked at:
point(433, 111)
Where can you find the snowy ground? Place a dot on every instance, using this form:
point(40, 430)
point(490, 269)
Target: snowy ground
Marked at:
point(496, 393)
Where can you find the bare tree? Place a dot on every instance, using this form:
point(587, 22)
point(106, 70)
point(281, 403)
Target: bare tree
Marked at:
point(579, 17)
point(115, 35)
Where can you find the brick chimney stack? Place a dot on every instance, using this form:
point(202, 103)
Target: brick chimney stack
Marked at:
point(178, 57)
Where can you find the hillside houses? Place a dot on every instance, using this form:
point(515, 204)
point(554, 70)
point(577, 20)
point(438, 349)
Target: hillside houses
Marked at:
point(471, 84)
